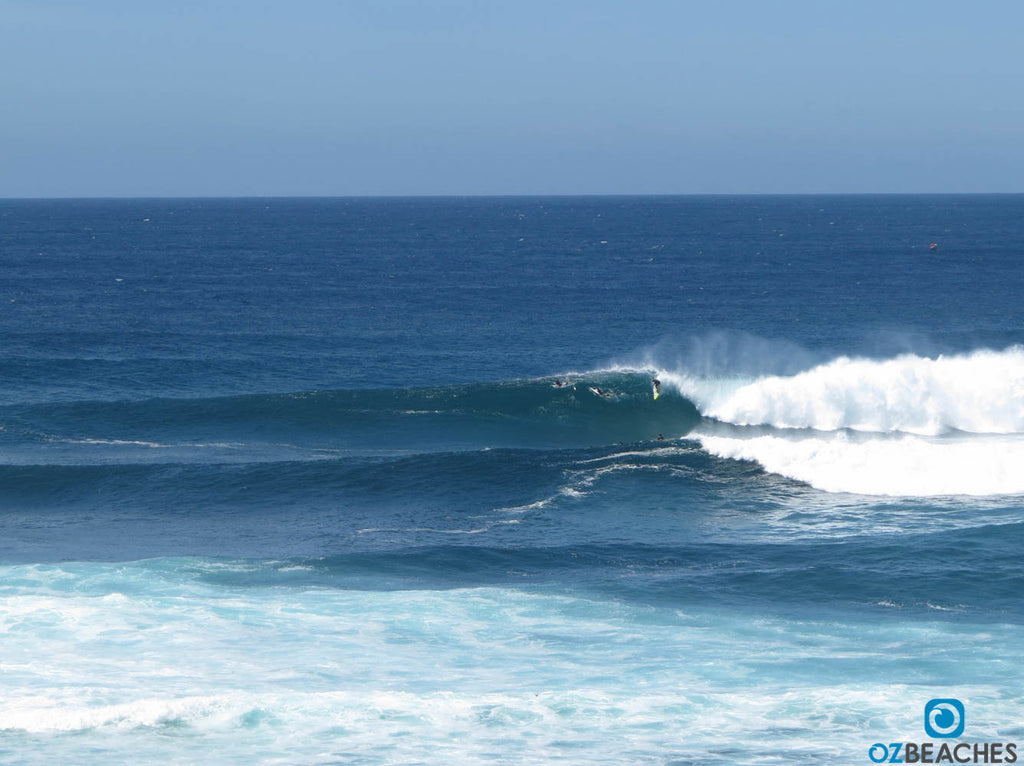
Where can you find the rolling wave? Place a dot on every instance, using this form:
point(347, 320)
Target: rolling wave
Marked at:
point(575, 410)
point(908, 425)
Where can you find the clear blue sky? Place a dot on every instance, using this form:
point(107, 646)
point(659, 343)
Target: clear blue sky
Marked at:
point(352, 97)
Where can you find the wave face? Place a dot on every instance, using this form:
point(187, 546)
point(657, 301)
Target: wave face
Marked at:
point(580, 409)
point(907, 425)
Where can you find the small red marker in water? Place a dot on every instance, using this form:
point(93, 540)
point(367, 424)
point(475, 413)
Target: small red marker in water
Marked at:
point(933, 246)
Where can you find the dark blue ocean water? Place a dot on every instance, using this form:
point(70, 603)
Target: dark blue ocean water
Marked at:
point(385, 481)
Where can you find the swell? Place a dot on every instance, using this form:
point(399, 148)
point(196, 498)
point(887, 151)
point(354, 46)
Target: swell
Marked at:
point(199, 488)
point(322, 505)
point(938, 575)
point(584, 409)
point(139, 511)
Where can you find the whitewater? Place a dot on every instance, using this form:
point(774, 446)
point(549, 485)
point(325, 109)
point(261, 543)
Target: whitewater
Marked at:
point(908, 425)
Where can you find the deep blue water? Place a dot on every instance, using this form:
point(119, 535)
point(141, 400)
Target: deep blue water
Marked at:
point(384, 480)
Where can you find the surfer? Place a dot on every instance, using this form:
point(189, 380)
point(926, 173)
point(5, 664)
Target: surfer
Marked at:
point(656, 387)
point(559, 384)
point(599, 392)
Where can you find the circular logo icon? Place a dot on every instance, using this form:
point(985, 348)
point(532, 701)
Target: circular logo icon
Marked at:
point(944, 718)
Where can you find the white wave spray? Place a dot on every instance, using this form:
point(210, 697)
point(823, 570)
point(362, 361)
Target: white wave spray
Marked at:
point(948, 425)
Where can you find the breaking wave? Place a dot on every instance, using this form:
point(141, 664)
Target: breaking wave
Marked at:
point(907, 425)
point(981, 393)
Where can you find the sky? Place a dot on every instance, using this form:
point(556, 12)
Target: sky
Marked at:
point(130, 98)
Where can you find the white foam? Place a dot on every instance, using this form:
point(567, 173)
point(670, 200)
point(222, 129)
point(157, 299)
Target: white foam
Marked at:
point(663, 451)
point(950, 425)
point(981, 392)
point(118, 442)
point(43, 714)
point(151, 670)
point(904, 465)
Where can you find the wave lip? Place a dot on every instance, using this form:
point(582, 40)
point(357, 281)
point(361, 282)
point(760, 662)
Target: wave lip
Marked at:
point(909, 425)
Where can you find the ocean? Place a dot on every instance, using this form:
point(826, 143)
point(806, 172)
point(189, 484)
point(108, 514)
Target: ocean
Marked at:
point(385, 481)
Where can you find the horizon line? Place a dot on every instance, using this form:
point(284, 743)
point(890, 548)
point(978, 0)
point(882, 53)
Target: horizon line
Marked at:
point(72, 198)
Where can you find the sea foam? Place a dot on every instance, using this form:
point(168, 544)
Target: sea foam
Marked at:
point(266, 674)
point(981, 392)
point(908, 465)
point(908, 425)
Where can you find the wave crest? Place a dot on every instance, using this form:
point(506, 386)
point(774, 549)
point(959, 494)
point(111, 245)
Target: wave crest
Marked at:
point(981, 392)
point(908, 425)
